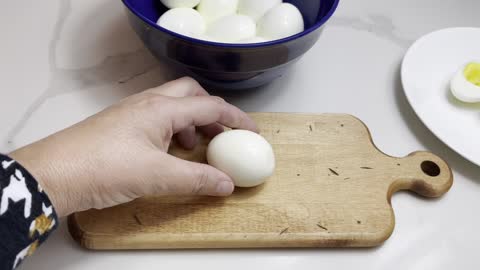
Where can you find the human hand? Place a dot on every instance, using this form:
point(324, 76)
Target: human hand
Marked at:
point(120, 154)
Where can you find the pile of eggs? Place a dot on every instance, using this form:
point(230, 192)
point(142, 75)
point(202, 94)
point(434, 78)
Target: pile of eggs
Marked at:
point(232, 21)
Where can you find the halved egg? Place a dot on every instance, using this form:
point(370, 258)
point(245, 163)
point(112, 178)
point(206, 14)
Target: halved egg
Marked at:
point(465, 85)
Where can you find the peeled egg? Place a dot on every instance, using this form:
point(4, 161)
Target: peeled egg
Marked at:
point(256, 8)
point(205, 37)
point(465, 85)
point(281, 21)
point(243, 155)
point(184, 21)
point(232, 28)
point(213, 10)
point(253, 40)
point(180, 3)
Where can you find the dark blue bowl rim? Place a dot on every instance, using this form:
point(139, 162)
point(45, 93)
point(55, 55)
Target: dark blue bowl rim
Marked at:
point(319, 24)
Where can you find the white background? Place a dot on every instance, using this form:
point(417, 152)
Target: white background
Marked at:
point(62, 60)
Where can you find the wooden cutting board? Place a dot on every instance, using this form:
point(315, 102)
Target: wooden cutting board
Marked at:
point(332, 188)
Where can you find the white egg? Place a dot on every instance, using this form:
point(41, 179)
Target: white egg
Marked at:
point(256, 8)
point(232, 28)
point(205, 37)
point(280, 22)
point(243, 155)
point(465, 85)
point(253, 40)
point(180, 3)
point(184, 21)
point(213, 10)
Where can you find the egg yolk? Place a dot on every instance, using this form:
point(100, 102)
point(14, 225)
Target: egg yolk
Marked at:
point(472, 73)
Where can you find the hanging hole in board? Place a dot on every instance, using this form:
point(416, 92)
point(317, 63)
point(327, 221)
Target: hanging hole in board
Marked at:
point(430, 168)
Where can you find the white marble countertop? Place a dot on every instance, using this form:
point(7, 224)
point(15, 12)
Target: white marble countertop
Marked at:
point(63, 60)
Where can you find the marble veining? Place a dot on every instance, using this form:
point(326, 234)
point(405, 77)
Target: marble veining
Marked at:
point(378, 25)
point(115, 69)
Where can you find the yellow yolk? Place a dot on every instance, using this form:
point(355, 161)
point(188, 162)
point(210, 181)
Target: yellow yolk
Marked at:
point(472, 73)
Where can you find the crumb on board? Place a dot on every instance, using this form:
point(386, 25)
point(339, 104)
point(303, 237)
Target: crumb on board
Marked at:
point(311, 128)
point(278, 131)
point(284, 231)
point(359, 222)
point(333, 171)
point(137, 219)
point(348, 178)
point(322, 227)
point(298, 174)
point(366, 168)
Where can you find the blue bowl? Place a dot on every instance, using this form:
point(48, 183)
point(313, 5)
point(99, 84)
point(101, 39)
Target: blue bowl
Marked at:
point(228, 66)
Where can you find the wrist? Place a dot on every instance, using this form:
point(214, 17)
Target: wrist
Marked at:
point(45, 176)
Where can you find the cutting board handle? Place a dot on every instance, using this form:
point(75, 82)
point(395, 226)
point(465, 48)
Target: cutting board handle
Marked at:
point(423, 173)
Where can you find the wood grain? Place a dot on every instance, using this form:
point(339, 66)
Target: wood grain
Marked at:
point(332, 188)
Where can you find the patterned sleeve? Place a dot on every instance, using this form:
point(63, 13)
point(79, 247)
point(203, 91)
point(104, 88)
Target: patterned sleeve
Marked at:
point(26, 214)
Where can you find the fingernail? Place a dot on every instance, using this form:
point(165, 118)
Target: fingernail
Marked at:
point(225, 188)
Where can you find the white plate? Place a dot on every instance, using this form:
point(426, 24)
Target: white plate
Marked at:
point(427, 70)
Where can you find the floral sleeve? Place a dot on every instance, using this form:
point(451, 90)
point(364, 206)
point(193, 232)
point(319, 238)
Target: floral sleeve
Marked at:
point(26, 214)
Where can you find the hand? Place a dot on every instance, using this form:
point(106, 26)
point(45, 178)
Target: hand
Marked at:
point(120, 154)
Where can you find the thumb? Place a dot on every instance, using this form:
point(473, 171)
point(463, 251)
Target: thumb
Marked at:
point(191, 178)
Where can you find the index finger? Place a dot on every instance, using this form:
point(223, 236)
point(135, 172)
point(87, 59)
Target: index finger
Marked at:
point(205, 110)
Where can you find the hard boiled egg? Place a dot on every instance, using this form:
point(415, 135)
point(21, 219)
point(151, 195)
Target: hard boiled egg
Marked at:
point(185, 21)
point(256, 8)
point(253, 40)
point(180, 3)
point(243, 155)
point(213, 10)
point(465, 85)
point(232, 28)
point(205, 37)
point(281, 21)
